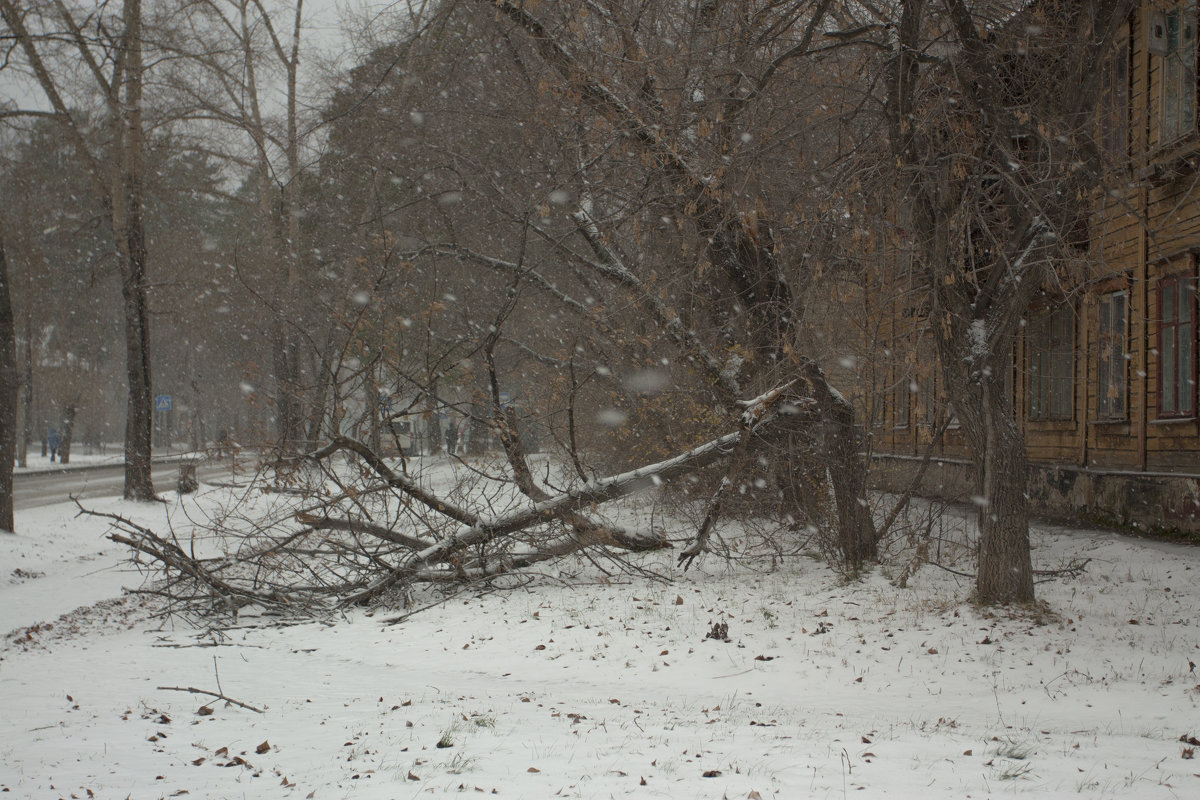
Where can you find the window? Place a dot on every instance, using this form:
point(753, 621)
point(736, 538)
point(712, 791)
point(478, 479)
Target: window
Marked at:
point(926, 401)
point(1114, 109)
point(1111, 372)
point(1179, 73)
point(1176, 350)
point(904, 393)
point(1052, 364)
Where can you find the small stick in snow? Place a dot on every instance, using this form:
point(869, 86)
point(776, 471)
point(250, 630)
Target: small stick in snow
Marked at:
point(218, 695)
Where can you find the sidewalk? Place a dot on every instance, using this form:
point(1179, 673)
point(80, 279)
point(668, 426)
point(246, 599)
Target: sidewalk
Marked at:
point(114, 454)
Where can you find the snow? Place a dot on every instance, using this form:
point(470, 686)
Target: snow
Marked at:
point(38, 463)
point(606, 685)
point(979, 340)
point(84, 456)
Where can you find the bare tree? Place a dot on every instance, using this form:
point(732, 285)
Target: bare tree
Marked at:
point(232, 60)
point(991, 119)
point(114, 65)
point(677, 127)
point(9, 383)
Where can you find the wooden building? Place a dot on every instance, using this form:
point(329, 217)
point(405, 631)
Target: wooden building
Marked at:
point(1104, 379)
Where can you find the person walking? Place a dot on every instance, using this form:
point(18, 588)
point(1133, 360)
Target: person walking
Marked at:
point(52, 441)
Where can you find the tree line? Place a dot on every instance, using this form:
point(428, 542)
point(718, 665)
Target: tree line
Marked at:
point(641, 226)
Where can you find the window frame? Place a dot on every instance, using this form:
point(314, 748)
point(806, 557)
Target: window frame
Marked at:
point(1051, 338)
point(1177, 76)
point(1115, 107)
point(902, 413)
point(1186, 279)
point(1112, 365)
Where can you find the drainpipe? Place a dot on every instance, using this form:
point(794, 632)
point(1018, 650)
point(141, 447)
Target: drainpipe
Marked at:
point(1143, 279)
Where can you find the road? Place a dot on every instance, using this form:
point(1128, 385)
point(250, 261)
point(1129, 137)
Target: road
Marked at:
point(33, 489)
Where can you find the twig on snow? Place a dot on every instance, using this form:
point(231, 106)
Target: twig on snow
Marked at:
point(218, 695)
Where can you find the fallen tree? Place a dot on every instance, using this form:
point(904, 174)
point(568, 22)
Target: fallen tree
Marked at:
point(384, 532)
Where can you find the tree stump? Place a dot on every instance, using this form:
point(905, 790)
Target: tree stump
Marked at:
point(188, 482)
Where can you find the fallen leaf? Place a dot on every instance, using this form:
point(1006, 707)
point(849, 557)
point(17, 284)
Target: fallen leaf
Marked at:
point(533, 769)
point(679, 600)
point(263, 748)
point(712, 773)
point(204, 711)
point(412, 777)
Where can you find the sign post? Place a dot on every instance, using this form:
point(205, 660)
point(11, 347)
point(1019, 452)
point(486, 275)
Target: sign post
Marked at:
point(162, 409)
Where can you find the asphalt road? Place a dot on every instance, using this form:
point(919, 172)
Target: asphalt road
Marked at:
point(33, 489)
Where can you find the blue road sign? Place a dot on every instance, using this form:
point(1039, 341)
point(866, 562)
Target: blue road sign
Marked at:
point(162, 402)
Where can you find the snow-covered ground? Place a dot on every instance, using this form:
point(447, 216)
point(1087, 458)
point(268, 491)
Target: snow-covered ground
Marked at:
point(84, 456)
point(609, 686)
point(39, 463)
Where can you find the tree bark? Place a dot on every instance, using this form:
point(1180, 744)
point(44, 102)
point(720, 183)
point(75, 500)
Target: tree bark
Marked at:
point(27, 399)
point(1005, 570)
point(128, 202)
point(8, 398)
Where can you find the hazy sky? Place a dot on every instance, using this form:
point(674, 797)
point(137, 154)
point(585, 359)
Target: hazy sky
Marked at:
point(325, 40)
